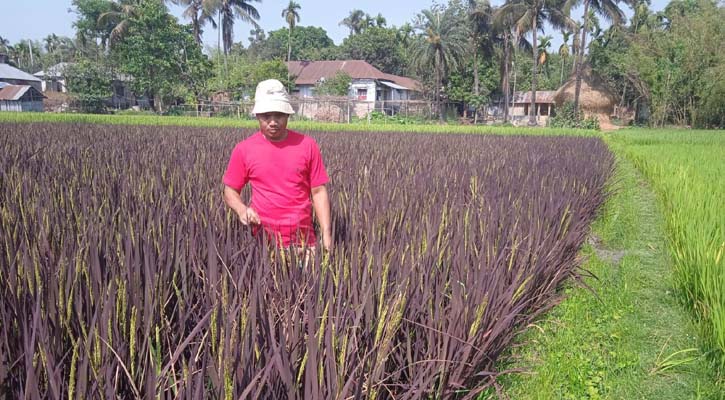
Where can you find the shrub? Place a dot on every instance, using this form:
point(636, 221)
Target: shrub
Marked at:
point(569, 117)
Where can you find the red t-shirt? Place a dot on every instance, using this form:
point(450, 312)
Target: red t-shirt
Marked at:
point(282, 175)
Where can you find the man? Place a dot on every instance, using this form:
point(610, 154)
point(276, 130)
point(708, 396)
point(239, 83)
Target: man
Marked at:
point(286, 172)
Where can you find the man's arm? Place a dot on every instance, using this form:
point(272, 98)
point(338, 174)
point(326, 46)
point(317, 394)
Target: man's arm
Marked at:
point(321, 203)
point(233, 198)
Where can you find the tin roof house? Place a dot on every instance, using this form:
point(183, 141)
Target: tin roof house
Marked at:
point(20, 98)
point(53, 78)
point(14, 76)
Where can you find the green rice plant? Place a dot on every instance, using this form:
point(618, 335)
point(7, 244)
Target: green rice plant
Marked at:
point(687, 170)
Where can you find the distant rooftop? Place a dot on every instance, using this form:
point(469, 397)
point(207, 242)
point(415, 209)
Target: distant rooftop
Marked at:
point(7, 71)
point(310, 72)
point(55, 71)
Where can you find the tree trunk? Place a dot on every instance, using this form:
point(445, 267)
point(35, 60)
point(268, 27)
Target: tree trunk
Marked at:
point(505, 81)
point(532, 109)
point(580, 56)
point(289, 46)
point(438, 87)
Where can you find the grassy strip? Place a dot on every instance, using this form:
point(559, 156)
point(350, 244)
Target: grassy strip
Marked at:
point(297, 125)
point(632, 340)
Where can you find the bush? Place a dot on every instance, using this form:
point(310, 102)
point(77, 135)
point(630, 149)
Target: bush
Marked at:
point(569, 117)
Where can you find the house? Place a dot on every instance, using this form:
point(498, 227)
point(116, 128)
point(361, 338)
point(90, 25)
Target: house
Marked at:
point(20, 98)
point(370, 89)
point(14, 76)
point(53, 78)
point(522, 102)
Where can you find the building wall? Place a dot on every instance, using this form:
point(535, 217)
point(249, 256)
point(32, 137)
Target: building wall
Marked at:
point(358, 85)
point(20, 106)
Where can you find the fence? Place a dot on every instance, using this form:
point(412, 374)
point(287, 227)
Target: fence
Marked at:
point(327, 109)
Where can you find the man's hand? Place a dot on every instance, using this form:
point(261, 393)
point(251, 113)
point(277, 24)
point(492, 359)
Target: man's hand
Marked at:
point(249, 216)
point(327, 242)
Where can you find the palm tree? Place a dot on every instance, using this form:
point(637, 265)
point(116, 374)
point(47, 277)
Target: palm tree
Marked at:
point(564, 53)
point(292, 16)
point(122, 11)
point(199, 12)
point(442, 44)
point(4, 45)
point(380, 21)
point(355, 21)
point(228, 11)
point(543, 49)
point(607, 9)
point(480, 14)
point(530, 16)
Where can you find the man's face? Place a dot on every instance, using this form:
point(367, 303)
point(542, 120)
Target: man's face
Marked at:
point(273, 125)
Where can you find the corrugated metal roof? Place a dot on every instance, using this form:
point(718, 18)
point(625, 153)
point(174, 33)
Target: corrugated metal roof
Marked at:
point(310, 72)
point(393, 85)
point(15, 92)
point(9, 72)
point(542, 96)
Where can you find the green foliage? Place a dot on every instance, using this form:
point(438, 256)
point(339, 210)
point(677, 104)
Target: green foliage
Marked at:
point(89, 82)
point(338, 85)
point(569, 117)
point(160, 54)
point(378, 118)
point(671, 62)
point(308, 43)
point(378, 46)
point(87, 25)
point(240, 75)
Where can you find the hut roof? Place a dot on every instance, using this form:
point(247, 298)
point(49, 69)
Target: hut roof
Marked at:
point(594, 97)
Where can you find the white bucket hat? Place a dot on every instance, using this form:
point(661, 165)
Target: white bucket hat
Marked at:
point(271, 96)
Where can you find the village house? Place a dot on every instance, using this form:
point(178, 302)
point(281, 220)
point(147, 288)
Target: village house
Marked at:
point(521, 101)
point(53, 78)
point(19, 91)
point(20, 98)
point(370, 89)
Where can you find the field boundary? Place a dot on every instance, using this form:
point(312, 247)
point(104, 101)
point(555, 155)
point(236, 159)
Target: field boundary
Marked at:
point(154, 120)
point(630, 340)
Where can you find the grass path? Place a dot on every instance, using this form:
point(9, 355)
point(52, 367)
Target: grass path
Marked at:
point(630, 341)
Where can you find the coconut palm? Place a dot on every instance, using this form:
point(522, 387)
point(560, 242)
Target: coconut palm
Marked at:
point(199, 12)
point(564, 53)
point(122, 11)
point(530, 16)
point(228, 11)
point(292, 16)
point(607, 9)
point(380, 21)
point(506, 39)
point(355, 21)
point(480, 15)
point(441, 45)
point(4, 45)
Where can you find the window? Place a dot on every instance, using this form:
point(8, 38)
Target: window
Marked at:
point(362, 94)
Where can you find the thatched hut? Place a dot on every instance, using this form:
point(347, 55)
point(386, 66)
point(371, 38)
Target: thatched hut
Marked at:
point(595, 98)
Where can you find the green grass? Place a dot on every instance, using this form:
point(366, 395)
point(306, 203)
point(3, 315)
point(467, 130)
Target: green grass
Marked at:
point(294, 124)
point(630, 341)
point(687, 171)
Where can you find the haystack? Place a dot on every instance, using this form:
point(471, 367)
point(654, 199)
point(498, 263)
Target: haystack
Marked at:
point(595, 98)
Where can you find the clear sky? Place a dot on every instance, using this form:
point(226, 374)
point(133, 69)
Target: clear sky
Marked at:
point(35, 19)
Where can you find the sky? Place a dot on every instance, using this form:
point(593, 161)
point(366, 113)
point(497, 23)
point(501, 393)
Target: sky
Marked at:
point(25, 19)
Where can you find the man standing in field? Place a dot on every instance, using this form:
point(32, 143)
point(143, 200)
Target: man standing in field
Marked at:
point(286, 172)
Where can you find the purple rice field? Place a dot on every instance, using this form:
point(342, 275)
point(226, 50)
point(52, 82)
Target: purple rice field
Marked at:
point(124, 275)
